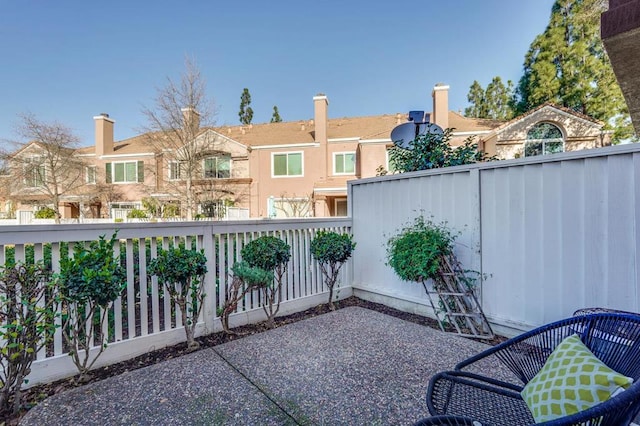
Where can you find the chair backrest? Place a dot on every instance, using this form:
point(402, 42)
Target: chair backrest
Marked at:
point(613, 337)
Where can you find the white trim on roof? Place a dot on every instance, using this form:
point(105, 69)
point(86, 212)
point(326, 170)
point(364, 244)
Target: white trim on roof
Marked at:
point(93, 154)
point(227, 138)
point(384, 140)
point(115, 156)
point(354, 138)
point(478, 132)
point(554, 109)
point(329, 189)
point(104, 118)
point(288, 145)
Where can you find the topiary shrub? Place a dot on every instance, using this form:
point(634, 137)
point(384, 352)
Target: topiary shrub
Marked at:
point(45, 213)
point(182, 271)
point(89, 282)
point(269, 254)
point(245, 279)
point(331, 250)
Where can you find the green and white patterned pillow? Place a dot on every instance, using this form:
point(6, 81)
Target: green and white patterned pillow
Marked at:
point(572, 380)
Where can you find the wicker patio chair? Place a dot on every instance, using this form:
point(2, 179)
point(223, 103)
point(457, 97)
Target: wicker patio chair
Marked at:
point(613, 337)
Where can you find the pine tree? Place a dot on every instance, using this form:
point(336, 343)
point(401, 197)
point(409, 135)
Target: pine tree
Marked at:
point(246, 113)
point(275, 118)
point(494, 102)
point(567, 65)
point(476, 98)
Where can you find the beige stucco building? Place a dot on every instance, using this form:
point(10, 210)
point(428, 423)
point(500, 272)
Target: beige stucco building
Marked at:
point(298, 168)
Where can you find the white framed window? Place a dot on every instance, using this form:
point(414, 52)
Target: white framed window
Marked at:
point(542, 139)
point(125, 172)
point(344, 163)
point(90, 173)
point(175, 170)
point(34, 172)
point(287, 164)
point(218, 167)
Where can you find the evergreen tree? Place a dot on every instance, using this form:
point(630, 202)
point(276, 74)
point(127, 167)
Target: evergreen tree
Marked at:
point(494, 102)
point(275, 118)
point(246, 113)
point(476, 99)
point(567, 65)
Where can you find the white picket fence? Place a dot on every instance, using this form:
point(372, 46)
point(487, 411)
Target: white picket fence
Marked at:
point(142, 320)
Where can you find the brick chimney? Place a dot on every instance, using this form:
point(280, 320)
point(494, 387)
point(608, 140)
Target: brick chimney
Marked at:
point(104, 134)
point(440, 115)
point(191, 120)
point(320, 108)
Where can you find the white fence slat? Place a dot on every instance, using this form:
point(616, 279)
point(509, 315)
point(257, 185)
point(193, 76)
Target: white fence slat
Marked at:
point(155, 294)
point(144, 299)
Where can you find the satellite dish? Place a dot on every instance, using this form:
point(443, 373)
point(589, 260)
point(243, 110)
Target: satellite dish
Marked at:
point(404, 134)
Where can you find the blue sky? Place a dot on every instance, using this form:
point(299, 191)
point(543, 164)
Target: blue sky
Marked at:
point(68, 61)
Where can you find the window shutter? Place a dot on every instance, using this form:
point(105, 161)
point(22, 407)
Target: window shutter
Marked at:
point(141, 171)
point(108, 172)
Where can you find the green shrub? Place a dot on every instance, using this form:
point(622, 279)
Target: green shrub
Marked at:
point(45, 213)
point(331, 250)
point(245, 279)
point(415, 253)
point(118, 220)
point(137, 214)
point(171, 210)
point(266, 252)
point(269, 254)
point(28, 306)
point(89, 282)
point(182, 272)
point(431, 151)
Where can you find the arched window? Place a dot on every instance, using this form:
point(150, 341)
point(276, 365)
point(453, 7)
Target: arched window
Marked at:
point(543, 138)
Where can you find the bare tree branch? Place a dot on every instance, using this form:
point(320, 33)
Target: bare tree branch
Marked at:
point(45, 167)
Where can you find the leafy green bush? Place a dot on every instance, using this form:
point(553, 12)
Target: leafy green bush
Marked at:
point(171, 210)
point(137, 214)
point(45, 213)
point(331, 250)
point(182, 271)
point(415, 253)
point(269, 254)
point(118, 220)
point(266, 252)
point(431, 151)
point(28, 308)
point(89, 282)
point(245, 279)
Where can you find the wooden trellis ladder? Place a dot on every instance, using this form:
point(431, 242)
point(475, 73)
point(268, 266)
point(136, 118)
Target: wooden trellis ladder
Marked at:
point(458, 305)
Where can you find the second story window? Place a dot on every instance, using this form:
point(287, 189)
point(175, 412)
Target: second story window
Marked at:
point(287, 164)
point(91, 174)
point(34, 172)
point(175, 171)
point(125, 172)
point(542, 139)
point(344, 163)
point(218, 167)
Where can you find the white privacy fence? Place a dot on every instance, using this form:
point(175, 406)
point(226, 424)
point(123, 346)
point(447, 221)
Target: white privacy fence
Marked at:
point(142, 319)
point(555, 233)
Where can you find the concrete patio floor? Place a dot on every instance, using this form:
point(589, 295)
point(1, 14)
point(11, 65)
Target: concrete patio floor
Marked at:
point(351, 366)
